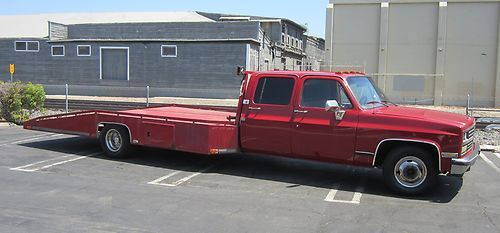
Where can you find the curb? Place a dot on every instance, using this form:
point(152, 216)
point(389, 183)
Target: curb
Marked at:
point(490, 148)
point(5, 124)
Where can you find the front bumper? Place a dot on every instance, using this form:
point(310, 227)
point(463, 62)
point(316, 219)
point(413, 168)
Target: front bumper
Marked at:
point(463, 165)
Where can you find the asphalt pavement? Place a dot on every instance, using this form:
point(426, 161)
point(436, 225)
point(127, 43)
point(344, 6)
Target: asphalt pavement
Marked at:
point(58, 183)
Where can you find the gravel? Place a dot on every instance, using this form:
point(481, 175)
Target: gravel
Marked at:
point(488, 137)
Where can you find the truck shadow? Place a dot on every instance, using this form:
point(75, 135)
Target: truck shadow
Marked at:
point(291, 173)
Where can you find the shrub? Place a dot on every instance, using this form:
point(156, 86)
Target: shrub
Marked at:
point(19, 101)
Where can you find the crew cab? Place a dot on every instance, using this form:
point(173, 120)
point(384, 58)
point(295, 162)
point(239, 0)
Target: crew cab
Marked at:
point(340, 118)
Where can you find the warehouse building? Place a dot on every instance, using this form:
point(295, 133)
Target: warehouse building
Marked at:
point(427, 51)
point(191, 54)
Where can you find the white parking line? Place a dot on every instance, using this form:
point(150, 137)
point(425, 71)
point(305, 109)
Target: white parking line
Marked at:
point(24, 167)
point(488, 161)
point(182, 180)
point(159, 180)
point(356, 199)
point(497, 154)
point(31, 139)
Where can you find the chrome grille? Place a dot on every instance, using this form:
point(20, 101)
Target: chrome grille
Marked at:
point(469, 146)
point(471, 133)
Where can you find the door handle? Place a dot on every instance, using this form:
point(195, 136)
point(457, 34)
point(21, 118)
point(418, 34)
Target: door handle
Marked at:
point(299, 111)
point(254, 108)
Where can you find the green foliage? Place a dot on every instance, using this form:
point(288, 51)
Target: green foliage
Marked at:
point(18, 101)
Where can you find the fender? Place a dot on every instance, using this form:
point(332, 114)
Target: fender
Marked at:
point(408, 140)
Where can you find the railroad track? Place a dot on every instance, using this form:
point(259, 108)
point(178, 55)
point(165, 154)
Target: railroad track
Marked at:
point(91, 104)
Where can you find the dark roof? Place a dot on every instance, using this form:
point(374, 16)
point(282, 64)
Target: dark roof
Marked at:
point(218, 16)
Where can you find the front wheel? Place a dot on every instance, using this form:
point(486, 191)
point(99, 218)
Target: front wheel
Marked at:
point(409, 170)
point(115, 141)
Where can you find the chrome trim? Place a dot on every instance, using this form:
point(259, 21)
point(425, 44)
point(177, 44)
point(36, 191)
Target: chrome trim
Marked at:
point(114, 123)
point(449, 155)
point(462, 165)
point(408, 140)
point(364, 153)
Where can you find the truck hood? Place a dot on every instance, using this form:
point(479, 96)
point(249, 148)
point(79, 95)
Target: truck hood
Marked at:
point(451, 119)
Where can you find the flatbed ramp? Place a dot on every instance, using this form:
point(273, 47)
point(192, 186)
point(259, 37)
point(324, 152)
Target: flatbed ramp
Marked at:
point(201, 130)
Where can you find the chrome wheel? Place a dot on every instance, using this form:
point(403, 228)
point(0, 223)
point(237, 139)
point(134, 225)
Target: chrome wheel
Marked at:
point(410, 172)
point(113, 140)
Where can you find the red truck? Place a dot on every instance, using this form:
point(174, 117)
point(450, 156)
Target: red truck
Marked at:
point(338, 118)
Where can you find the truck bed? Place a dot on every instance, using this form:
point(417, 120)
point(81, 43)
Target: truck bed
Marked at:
point(203, 130)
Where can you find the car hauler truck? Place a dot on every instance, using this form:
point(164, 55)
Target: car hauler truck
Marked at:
point(338, 118)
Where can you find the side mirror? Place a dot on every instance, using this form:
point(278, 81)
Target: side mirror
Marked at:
point(332, 106)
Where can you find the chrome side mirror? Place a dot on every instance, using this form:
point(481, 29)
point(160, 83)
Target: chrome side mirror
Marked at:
point(333, 106)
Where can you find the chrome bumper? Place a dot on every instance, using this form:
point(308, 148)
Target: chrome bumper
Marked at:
point(463, 165)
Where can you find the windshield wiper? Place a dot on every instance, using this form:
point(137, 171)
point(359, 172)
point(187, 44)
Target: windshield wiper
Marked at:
point(388, 102)
point(378, 102)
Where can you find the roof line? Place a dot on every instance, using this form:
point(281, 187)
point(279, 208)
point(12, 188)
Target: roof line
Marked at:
point(157, 40)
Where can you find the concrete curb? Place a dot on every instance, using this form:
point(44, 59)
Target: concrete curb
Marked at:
point(6, 124)
point(490, 148)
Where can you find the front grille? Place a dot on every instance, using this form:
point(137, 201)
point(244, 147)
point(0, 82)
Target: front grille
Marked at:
point(469, 145)
point(469, 134)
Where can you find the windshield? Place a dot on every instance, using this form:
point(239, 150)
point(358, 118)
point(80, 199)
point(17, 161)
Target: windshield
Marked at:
point(366, 92)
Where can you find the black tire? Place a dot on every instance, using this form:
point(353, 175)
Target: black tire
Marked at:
point(115, 149)
point(416, 171)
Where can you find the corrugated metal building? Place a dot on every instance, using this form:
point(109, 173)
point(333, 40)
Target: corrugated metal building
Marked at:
point(190, 54)
point(429, 51)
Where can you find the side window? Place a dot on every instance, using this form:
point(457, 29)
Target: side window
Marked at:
point(276, 91)
point(316, 92)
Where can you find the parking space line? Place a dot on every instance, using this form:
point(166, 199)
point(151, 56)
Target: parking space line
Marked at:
point(356, 199)
point(159, 180)
point(489, 162)
point(497, 154)
point(182, 180)
point(31, 139)
point(24, 167)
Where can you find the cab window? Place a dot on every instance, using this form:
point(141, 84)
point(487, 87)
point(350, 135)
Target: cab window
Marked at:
point(316, 92)
point(277, 91)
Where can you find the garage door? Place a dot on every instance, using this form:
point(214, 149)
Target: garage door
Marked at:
point(114, 63)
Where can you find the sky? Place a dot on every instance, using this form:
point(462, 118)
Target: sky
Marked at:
point(311, 13)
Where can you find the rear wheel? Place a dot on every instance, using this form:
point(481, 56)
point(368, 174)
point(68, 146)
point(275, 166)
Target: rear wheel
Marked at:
point(409, 170)
point(115, 141)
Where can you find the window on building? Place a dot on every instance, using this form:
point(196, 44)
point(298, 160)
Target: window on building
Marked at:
point(283, 38)
point(57, 50)
point(84, 51)
point(169, 50)
point(288, 40)
point(27, 46)
point(283, 61)
point(277, 91)
point(316, 92)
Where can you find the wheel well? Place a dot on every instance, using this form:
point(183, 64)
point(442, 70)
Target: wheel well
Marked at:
point(101, 126)
point(386, 147)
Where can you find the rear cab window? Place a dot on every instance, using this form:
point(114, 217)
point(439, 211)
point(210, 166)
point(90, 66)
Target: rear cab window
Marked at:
point(274, 91)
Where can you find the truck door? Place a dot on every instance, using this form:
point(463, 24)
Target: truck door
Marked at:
point(316, 133)
point(267, 115)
